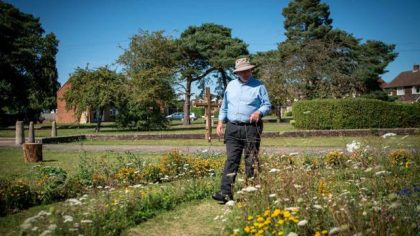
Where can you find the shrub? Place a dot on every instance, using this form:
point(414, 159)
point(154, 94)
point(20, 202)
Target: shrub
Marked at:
point(335, 158)
point(354, 114)
point(400, 157)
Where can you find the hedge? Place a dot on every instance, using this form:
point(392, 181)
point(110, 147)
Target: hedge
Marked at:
point(355, 113)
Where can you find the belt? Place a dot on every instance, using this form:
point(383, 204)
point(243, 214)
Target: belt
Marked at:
point(239, 123)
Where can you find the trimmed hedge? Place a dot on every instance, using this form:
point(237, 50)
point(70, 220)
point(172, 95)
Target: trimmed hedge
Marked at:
point(354, 113)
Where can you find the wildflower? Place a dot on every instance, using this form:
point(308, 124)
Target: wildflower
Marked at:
point(86, 221)
point(250, 189)
point(292, 234)
point(74, 202)
point(247, 229)
point(274, 170)
point(324, 231)
point(45, 233)
point(280, 222)
point(302, 223)
point(273, 195)
point(293, 154)
point(381, 173)
point(52, 227)
point(388, 135)
point(276, 213)
point(67, 218)
point(353, 146)
point(230, 203)
point(319, 207)
point(250, 217)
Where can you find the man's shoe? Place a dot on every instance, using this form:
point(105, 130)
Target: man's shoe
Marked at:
point(222, 198)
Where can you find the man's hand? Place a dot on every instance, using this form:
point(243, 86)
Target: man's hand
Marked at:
point(219, 129)
point(255, 117)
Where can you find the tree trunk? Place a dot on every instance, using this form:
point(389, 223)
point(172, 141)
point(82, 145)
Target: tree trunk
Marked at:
point(278, 113)
point(224, 78)
point(99, 119)
point(187, 102)
point(32, 152)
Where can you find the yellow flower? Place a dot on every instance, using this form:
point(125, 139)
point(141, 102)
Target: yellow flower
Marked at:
point(260, 219)
point(281, 233)
point(250, 217)
point(324, 232)
point(267, 212)
point(276, 213)
point(280, 222)
point(286, 214)
point(247, 229)
point(317, 233)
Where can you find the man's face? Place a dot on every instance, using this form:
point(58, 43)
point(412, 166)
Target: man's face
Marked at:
point(244, 75)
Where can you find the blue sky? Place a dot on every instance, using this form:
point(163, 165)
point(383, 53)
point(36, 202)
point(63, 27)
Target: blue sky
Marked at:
point(93, 32)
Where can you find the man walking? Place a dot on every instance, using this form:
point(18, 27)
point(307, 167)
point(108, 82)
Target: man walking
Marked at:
point(244, 103)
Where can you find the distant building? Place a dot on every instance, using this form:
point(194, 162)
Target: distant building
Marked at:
point(406, 85)
point(69, 116)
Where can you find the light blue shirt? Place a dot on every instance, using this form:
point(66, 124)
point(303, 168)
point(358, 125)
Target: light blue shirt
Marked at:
point(240, 100)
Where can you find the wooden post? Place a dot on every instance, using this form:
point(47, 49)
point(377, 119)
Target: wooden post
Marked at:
point(31, 133)
point(20, 135)
point(208, 115)
point(208, 105)
point(53, 129)
point(32, 152)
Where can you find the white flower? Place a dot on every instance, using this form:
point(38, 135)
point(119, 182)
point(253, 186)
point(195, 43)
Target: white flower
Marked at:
point(292, 234)
point(67, 218)
point(381, 173)
point(250, 189)
point(293, 153)
point(273, 195)
point(26, 225)
point(45, 233)
point(230, 203)
point(334, 230)
point(294, 209)
point(274, 170)
point(52, 227)
point(302, 223)
point(368, 169)
point(317, 206)
point(86, 221)
point(388, 135)
point(34, 228)
point(205, 151)
point(74, 202)
point(297, 186)
point(353, 146)
point(258, 186)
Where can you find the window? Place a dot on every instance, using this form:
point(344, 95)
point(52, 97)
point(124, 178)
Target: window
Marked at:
point(400, 91)
point(416, 90)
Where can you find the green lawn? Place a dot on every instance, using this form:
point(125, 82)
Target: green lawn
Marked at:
point(12, 164)
point(394, 142)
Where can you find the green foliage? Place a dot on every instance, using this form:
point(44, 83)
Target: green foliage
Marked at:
point(354, 114)
point(94, 90)
point(28, 74)
point(150, 64)
point(203, 50)
point(199, 111)
point(317, 61)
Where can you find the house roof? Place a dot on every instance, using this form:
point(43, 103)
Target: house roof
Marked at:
point(404, 79)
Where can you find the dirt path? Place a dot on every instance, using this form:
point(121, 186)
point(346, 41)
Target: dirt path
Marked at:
point(162, 148)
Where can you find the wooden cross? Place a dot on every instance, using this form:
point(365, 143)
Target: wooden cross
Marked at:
point(208, 105)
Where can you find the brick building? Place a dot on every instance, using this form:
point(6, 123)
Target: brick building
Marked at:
point(69, 116)
point(406, 85)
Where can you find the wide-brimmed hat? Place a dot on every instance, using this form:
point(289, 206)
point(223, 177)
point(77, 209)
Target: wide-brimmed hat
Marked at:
point(243, 64)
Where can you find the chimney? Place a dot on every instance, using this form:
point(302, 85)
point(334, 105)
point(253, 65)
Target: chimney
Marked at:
point(416, 68)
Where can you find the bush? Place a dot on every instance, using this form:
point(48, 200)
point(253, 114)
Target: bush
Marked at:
point(400, 157)
point(354, 114)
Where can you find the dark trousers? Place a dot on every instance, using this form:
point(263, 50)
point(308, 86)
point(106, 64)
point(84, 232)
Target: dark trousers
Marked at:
point(244, 138)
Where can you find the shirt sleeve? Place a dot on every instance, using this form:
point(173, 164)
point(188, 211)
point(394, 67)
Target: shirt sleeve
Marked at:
point(223, 108)
point(265, 101)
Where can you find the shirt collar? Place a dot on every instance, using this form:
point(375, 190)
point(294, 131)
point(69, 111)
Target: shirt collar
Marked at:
point(247, 82)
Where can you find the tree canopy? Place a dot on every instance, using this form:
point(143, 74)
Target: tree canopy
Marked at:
point(28, 74)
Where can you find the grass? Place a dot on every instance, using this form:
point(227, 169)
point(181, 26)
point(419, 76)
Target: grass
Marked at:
point(12, 164)
point(197, 127)
point(194, 218)
point(341, 141)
